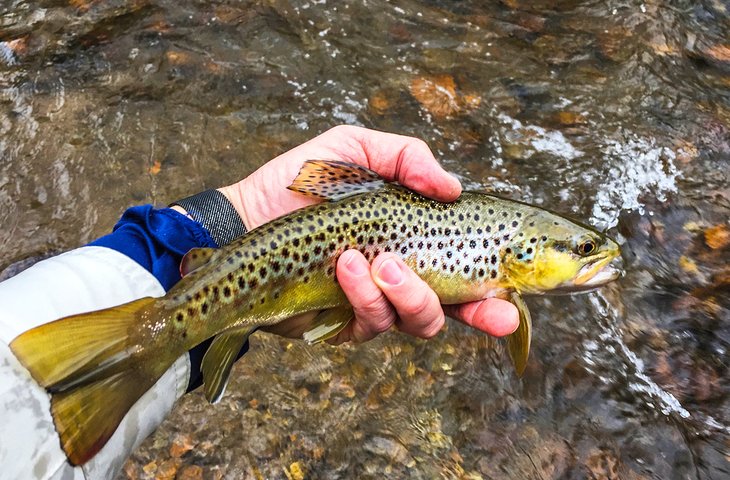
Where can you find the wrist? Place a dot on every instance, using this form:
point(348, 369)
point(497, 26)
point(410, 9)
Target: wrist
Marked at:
point(215, 211)
point(234, 194)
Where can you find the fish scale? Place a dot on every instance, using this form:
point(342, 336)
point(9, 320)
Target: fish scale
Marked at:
point(97, 365)
point(447, 241)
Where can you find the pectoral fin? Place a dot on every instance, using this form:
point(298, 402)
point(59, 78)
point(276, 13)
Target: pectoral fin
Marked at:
point(518, 343)
point(327, 324)
point(219, 359)
point(195, 258)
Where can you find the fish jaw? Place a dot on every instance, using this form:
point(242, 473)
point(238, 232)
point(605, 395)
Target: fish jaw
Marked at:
point(596, 275)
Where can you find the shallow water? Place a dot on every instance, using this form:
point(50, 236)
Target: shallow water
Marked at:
point(615, 112)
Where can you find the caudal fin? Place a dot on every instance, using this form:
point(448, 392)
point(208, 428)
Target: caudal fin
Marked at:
point(87, 364)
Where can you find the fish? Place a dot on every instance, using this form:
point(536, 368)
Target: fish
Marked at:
point(97, 365)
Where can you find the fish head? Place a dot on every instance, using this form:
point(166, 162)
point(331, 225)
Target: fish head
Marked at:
point(557, 255)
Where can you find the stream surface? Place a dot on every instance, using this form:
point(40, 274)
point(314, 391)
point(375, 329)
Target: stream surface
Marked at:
point(614, 112)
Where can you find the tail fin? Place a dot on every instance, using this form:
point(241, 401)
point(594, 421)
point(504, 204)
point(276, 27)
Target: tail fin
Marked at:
point(87, 364)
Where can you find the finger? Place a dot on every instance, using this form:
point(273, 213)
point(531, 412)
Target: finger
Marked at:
point(409, 161)
point(373, 312)
point(493, 316)
point(417, 306)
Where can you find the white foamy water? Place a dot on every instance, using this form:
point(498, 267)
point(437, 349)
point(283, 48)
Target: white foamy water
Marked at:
point(7, 55)
point(542, 140)
point(632, 367)
point(632, 371)
point(638, 168)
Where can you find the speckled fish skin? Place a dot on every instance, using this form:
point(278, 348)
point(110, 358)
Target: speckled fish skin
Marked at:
point(287, 267)
point(96, 365)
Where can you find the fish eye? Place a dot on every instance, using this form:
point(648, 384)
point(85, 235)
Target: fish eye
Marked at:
point(587, 247)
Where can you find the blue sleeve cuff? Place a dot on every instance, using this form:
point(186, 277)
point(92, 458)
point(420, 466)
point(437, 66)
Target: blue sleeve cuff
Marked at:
point(157, 239)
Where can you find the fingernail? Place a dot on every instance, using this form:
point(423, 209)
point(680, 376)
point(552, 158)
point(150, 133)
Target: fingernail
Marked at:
point(390, 273)
point(356, 266)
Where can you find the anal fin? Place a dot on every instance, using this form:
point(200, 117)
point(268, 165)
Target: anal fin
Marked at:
point(328, 323)
point(518, 342)
point(219, 359)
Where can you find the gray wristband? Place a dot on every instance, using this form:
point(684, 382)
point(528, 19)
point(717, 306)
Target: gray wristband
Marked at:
point(213, 210)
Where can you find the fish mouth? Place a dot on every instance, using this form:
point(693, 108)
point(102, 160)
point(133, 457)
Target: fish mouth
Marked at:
point(595, 274)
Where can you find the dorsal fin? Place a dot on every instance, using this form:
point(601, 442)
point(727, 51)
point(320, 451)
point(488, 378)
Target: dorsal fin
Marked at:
point(334, 180)
point(194, 259)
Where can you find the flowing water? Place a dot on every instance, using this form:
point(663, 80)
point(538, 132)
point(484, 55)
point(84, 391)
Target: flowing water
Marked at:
point(616, 112)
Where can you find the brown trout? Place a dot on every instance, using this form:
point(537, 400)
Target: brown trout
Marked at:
point(96, 365)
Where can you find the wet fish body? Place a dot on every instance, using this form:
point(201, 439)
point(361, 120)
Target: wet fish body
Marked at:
point(476, 247)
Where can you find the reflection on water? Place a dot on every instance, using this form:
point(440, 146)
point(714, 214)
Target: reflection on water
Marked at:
point(615, 112)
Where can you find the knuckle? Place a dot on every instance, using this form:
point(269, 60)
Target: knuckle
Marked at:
point(379, 315)
point(416, 305)
point(434, 327)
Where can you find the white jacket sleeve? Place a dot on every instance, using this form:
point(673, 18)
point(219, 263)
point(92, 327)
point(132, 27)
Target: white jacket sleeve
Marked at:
point(89, 278)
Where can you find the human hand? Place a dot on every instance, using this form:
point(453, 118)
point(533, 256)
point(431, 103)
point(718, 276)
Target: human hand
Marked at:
point(387, 292)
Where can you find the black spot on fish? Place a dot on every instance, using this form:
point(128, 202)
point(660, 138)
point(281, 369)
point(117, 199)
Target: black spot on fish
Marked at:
point(493, 260)
point(514, 223)
point(493, 274)
point(226, 291)
point(472, 244)
point(466, 269)
point(501, 226)
point(180, 317)
point(241, 283)
point(204, 308)
point(262, 272)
